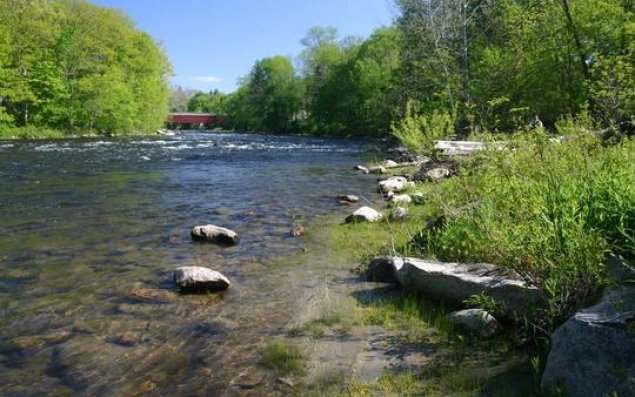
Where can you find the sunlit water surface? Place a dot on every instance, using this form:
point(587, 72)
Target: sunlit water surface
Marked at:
point(89, 233)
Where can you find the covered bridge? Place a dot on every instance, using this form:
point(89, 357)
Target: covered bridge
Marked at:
point(196, 120)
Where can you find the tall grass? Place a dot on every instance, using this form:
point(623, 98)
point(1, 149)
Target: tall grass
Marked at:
point(549, 209)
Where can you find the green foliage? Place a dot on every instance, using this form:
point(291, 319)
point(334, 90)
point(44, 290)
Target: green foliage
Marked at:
point(80, 68)
point(420, 132)
point(282, 356)
point(270, 98)
point(212, 102)
point(548, 209)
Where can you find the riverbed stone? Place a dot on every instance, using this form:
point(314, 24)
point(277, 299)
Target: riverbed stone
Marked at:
point(456, 282)
point(363, 169)
point(377, 170)
point(215, 234)
point(199, 279)
point(593, 353)
point(390, 164)
point(298, 231)
point(364, 214)
point(349, 198)
point(395, 184)
point(477, 321)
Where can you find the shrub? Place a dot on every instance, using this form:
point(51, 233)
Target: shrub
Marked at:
point(419, 132)
point(548, 209)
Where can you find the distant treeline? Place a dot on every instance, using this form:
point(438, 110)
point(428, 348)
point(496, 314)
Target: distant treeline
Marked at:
point(72, 66)
point(489, 64)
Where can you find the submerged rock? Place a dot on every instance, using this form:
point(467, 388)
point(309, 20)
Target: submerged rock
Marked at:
point(215, 234)
point(364, 214)
point(593, 353)
point(199, 279)
point(477, 321)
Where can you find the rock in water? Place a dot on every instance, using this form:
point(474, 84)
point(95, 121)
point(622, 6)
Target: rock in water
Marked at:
point(593, 353)
point(477, 321)
point(363, 169)
point(215, 234)
point(298, 231)
point(199, 279)
point(364, 214)
point(349, 198)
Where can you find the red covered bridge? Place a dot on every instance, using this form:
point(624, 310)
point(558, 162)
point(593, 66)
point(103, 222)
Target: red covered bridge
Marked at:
point(196, 120)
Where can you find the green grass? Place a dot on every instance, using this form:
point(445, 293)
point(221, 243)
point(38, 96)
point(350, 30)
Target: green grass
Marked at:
point(284, 357)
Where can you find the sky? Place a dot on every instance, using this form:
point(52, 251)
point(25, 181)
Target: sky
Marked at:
point(212, 43)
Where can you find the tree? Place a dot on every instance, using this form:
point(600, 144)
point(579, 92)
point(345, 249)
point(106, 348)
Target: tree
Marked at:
point(269, 99)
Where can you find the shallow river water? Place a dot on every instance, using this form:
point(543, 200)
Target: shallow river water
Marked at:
point(91, 229)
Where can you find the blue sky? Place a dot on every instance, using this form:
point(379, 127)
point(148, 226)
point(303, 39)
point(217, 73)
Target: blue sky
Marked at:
point(211, 43)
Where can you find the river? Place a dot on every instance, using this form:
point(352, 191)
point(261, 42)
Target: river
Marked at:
point(90, 231)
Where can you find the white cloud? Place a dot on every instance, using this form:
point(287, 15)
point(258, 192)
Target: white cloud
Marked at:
point(205, 79)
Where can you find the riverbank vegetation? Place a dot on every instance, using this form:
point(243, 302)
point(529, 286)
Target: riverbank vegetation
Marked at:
point(488, 65)
point(70, 67)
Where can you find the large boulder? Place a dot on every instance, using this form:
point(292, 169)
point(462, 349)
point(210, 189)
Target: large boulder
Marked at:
point(593, 353)
point(364, 214)
point(199, 279)
point(215, 234)
point(477, 321)
point(456, 282)
point(395, 184)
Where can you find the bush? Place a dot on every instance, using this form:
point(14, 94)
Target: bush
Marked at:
point(548, 209)
point(419, 132)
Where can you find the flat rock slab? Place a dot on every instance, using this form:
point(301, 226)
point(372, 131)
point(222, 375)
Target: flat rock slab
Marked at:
point(199, 279)
point(215, 234)
point(456, 282)
point(593, 353)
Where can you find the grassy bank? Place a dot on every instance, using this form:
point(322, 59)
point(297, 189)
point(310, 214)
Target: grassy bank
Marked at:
point(548, 206)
